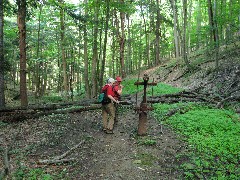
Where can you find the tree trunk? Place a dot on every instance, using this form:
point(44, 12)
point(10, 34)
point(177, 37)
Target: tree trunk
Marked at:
point(175, 17)
point(2, 96)
point(104, 44)
point(198, 19)
point(157, 33)
point(129, 49)
point(64, 62)
point(213, 27)
point(86, 79)
point(22, 46)
point(184, 42)
point(37, 66)
point(95, 51)
point(122, 42)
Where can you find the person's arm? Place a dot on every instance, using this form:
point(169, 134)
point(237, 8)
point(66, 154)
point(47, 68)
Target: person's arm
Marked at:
point(114, 100)
point(119, 89)
point(110, 94)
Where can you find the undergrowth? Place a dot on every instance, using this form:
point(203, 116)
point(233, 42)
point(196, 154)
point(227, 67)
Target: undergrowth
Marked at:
point(212, 136)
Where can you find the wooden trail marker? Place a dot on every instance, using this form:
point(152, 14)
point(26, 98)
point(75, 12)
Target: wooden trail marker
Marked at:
point(142, 124)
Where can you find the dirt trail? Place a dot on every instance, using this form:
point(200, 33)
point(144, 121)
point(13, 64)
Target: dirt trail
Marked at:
point(122, 155)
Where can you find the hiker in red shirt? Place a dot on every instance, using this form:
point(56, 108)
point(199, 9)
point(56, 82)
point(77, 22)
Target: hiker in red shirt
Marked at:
point(108, 108)
point(117, 89)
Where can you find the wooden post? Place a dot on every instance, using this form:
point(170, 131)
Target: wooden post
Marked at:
point(142, 124)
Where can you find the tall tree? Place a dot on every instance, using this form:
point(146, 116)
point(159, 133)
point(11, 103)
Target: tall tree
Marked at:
point(2, 96)
point(175, 19)
point(213, 27)
point(64, 61)
point(95, 49)
point(105, 43)
point(38, 64)
point(157, 33)
point(122, 41)
point(146, 35)
point(22, 5)
point(184, 42)
point(86, 77)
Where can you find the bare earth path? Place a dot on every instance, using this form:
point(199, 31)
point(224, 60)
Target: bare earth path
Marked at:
point(122, 155)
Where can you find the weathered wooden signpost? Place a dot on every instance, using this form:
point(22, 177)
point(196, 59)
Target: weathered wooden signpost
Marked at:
point(142, 124)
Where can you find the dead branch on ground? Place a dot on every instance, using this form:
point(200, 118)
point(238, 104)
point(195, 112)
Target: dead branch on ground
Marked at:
point(59, 159)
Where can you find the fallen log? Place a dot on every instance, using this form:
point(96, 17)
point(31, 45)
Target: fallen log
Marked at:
point(21, 115)
point(50, 106)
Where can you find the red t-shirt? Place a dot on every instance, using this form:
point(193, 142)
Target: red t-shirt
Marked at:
point(109, 89)
point(116, 95)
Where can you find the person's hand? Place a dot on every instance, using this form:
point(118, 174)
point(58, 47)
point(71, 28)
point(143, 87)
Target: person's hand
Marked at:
point(117, 101)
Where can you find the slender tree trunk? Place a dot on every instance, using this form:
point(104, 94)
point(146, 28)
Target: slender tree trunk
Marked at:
point(95, 51)
point(105, 44)
point(86, 65)
point(157, 33)
point(122, 42)
point(176, 38)
point(211, 21)
point(37, 66)
point(22, 46)
point(64, 62)
point(184, 43)
point(2, 96)
point(216, 35)
point(79, 73)
point(117, 35)
point(129, 48)
point(213, 27)
point(189, 27)
point(198, 19)
point(146, 36)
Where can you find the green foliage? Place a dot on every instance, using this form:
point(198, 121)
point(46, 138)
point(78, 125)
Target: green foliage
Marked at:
point(129, 87)
point(213, 136)
point(162, 88)
point(52, 98)
point(33, 174)
point(147, 141)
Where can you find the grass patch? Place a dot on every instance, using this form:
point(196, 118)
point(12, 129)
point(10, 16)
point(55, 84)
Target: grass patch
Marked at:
point(129, 87)
point(213, 136)
point(162, 88)
point(147, 141)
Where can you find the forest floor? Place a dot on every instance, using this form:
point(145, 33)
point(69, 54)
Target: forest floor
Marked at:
point(122, 155)
point(90, 153)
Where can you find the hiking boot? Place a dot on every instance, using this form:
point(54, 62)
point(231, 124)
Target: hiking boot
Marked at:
point(109, 131)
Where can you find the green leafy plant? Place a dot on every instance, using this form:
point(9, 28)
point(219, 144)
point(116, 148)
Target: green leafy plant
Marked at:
point(162, 88)
point(147, 142)
point(213, 136)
